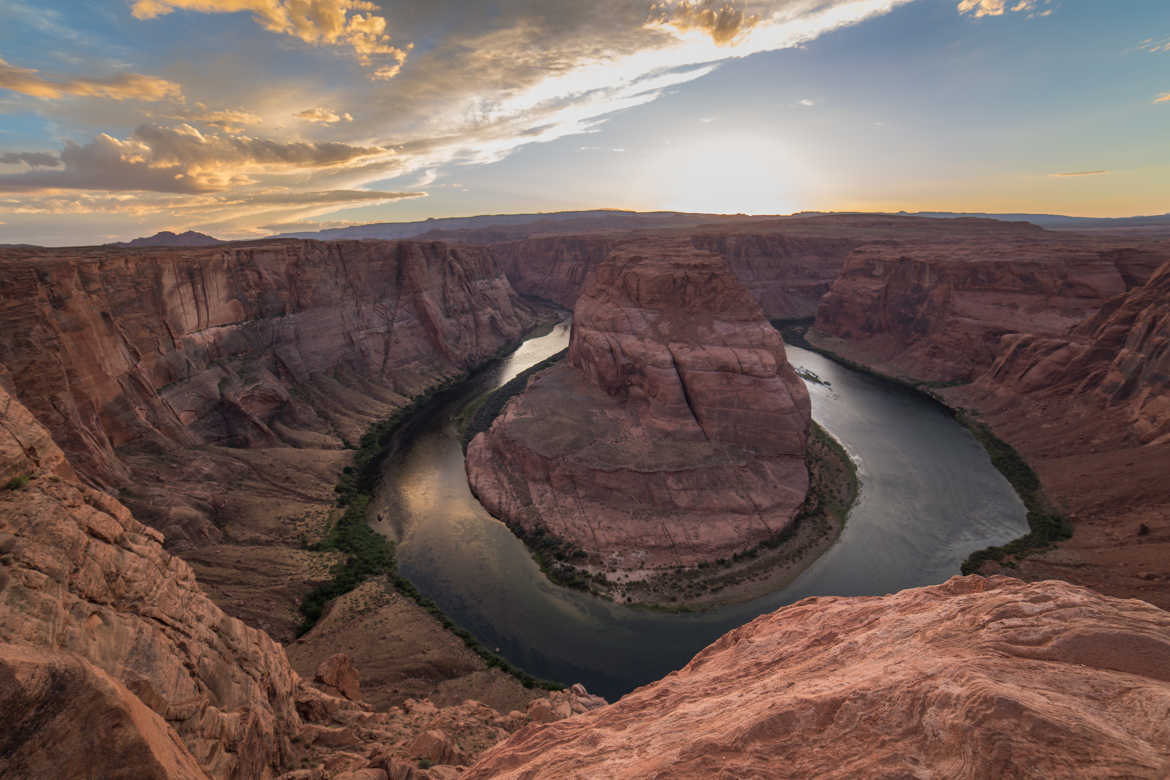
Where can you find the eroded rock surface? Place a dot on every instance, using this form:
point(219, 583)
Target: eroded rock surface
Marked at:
point(215, 389)
point(969, 679)
point(672, 434)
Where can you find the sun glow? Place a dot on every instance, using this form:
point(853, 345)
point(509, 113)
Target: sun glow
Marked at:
point(727, 174)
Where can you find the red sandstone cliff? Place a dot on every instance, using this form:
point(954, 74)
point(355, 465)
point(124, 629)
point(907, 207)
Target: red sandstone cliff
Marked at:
point(1091, 412)
point(974, 678)
point(672, 434)
point(214, 388)
point(113, 662)
point(936, 312)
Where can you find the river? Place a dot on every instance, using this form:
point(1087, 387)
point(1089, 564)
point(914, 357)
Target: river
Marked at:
point(929, 497)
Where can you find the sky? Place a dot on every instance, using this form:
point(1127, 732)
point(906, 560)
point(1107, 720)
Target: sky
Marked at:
point(242, 118)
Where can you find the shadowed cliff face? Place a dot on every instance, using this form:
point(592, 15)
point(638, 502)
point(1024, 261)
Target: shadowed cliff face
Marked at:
point(973, 678)
point(937, 312)
point(214, 389)
point(113, 662)
point(80, 574)
point(787, 274)
point(672, 434)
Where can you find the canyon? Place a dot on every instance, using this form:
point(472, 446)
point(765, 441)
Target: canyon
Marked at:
point(672, 435)
point(207, 399)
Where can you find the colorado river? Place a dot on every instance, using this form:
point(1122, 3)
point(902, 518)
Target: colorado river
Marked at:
point(929, 497)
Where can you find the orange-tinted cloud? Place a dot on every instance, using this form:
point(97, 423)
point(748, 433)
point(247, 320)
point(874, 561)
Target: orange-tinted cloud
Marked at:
point(1163, 98)
point(719, 19)
point(323, 116)
point(120, 86)
point(350, 23)
point(998, 7)
point(180, 159)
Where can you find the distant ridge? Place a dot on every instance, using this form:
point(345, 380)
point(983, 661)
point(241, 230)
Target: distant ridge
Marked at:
point(1158, 222)
point(489, 228)
point(443, 227)
point(167, 238)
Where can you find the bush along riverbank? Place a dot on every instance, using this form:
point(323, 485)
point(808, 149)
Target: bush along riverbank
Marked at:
point(1046, 524)
point(481, 412)
point(367, 553)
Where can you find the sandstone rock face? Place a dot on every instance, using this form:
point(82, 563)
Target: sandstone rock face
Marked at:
point(973, 678)
point(937, 311)
point(281, 344)
point(215, 388)
point(1117, 361)
point(79, 574)
point(787, 272)
point(64, 717)
point(1091, 411)
point(674, 431)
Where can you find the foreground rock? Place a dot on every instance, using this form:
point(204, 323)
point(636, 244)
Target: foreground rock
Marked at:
point(674, 432)
point(973, 678)
point(113, 662)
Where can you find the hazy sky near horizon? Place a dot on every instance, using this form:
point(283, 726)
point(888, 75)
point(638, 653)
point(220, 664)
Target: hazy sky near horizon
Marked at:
point(246, 117)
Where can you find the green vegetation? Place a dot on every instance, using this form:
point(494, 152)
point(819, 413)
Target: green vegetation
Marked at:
point(1046, 525)
point(18, 482)
point(368, 554)
point(478, 415)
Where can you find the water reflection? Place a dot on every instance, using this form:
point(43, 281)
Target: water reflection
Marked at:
point(929, 497)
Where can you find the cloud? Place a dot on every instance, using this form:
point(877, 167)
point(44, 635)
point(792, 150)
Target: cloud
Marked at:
point(1163, 98)
point(332, 197)
point(31, 159)
point(323, 116)
point(228, 119)
point(980, 8)
point(180, 159)
point(348, 23)
point(120, 86)
point(1079, 173)
point(808, 102)
point(721, 20)
point(491, 79)
point(1155, 46)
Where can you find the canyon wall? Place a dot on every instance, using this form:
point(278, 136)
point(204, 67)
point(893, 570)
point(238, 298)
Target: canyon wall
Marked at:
point(215, 390)
point(79, 575)
point(973, 678)
point(937, 312)
point(1057, 343)
point(787, 272)
point(672, 434)
point(1091, 412)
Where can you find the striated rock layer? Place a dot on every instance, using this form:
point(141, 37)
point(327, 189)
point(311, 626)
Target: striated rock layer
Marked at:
point(113, 662)
point(936, 311)
point(1091, 411)
point(673, 433)
point(969, 679)
point(215, 388)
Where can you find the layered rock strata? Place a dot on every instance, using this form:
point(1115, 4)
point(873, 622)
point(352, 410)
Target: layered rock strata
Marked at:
point(1091, 411)
point(216, 389)
point(113, 662)
point(969, 679)
point(937, 311)
point(672, 434)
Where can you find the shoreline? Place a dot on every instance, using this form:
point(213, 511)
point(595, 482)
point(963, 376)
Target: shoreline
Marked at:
point(369, 555)
point(748, 574)
point(1047, 524)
